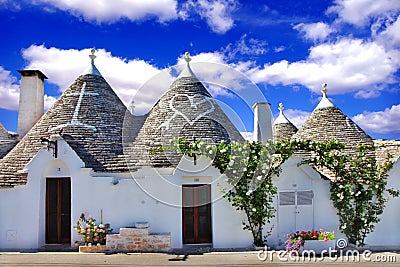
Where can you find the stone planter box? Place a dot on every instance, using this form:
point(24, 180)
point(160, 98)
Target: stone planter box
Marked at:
point(318, 246)
point(92, 249)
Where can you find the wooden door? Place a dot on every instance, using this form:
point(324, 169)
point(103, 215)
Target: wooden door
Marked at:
point(196, 214)
point(58, 211)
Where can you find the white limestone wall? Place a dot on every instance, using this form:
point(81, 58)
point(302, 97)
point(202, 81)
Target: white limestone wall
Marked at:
point(148, 196)
point(22, 209)
point(300, 178)
point(155, 196)
point(387, 231)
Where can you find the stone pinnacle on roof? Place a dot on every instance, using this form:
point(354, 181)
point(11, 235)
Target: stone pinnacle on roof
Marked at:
point(325, 102)
point(282, 128)
point(89, 116)
point(328, 122)
point(92, 69)
point(281, 117)
point(187, 71)
point(186, 110)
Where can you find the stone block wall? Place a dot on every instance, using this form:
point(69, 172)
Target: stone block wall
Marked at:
point(92, 249)
point(138, 240)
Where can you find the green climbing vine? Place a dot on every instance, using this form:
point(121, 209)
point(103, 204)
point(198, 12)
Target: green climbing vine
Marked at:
point(358, 190)
point(248, 168)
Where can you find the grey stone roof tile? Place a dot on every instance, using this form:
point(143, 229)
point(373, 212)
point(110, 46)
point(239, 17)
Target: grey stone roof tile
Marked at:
point(94, 132)
point(186, 110)
point(7, 141)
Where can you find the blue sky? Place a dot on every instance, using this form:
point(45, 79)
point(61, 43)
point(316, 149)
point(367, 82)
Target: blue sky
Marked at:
point(288, 48)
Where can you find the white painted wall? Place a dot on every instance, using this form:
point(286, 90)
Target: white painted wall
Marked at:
point(299, 178)
point(155, 196)
point(387, 233)
point(148, 196)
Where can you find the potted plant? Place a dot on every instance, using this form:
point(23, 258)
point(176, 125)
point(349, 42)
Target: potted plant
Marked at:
point(316, 241)
point(93, 235)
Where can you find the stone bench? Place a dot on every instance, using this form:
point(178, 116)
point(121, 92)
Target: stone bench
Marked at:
point(133, 239)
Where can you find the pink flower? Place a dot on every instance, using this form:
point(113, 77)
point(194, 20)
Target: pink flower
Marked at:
point(325, 239)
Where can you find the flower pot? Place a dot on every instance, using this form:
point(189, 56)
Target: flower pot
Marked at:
point(318, 246)
point(92, 249)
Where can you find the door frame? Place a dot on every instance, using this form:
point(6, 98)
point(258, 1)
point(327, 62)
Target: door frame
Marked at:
point(196, 239)
point(295, 207)
point(60, 240)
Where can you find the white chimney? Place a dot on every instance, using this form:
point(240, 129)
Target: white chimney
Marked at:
point(31, 100)
point(262, 122)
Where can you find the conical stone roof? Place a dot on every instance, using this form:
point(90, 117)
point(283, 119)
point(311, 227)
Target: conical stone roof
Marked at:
point(282, 129)
point(186, 110)
point(7, 141)
point(327, 122)
point(89, 116)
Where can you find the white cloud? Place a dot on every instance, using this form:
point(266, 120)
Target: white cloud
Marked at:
point(62, 67)
point(279, 49)
point(245, 46)
point(383, 122)
point(9, 90)
point(213, 69)
point(296, 116)
point(387, 31)
point(210, 57)
point(111, 11)
point(314, 31)
point(393, 32)
point(49, 101)
point(359, 12)
point(11, 5)
point(347, 65)
point(217, 13)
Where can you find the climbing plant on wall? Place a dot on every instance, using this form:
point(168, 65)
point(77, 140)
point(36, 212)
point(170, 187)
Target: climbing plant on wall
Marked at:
point(248, 168)
point(358, 188)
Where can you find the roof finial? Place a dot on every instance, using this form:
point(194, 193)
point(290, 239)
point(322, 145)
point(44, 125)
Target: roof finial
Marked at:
point(187, 57)
point(325, 102)
point(187, 71)
point(92, 69)
point(324, 89)
point(92, 56)
point(281, 107)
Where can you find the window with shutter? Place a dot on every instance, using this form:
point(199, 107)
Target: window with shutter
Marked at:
point(287, 198)
point(304, 197)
